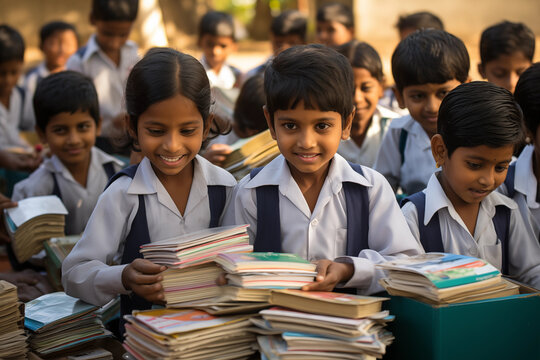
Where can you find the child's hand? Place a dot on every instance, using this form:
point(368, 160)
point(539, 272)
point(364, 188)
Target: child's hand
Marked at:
point(19, 162)
point(329, 274)
point(217, 153)
point(143, 278)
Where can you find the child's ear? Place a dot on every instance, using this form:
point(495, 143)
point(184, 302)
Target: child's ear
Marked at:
point(481, 70)
point(438, 149)
point(270, 122)
point(399, 97)
point(41, 135)
point(346, 132)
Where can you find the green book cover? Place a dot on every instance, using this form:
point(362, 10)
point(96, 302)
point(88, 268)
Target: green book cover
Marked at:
point(264, 256)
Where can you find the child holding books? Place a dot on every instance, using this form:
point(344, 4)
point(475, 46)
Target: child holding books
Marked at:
point(172, 191)
point(426, 65)
point(521, 183)
point(479, 126)
point(506, 51)
point(68, 121)
point(310, 201)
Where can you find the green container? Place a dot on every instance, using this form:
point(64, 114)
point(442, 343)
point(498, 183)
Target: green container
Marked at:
point(502, 328)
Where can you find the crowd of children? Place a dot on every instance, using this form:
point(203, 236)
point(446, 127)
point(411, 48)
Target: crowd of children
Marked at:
point(346, 160)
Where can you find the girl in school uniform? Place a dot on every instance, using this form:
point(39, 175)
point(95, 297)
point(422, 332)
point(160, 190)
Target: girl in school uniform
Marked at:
point(173, 191)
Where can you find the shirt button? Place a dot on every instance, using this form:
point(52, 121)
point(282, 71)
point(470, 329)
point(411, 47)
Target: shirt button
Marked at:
point(314, 222)
point(473, 252)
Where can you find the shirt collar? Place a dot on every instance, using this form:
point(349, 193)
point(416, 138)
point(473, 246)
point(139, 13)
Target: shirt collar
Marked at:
point(93, 47)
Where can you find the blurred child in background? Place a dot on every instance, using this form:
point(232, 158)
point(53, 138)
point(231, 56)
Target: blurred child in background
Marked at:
point(335, 24)
point(408, 24)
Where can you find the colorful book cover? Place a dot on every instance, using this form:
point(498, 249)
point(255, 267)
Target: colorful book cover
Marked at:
point(259, 261)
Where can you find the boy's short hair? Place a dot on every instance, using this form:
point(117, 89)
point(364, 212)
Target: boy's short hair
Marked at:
point(336, 12)
point(527, 95)
point(217, 23)
point(50, 28)
point(315, 74)
point(115, 10)
point(65, 91)
point(248, 109)
point(420, 20)
point(506, 38)
point(429, 56)
point(362, 55)
point(289, 22)
point(11, 44)
point(479, 113)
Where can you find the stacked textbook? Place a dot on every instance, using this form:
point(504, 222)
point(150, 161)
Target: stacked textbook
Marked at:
point(12, 336)
point(440, 278)
point(325, 325)
point(58, 322)
point(188, 334)
point(57, 249)
point(33, 221)
point(191, 274)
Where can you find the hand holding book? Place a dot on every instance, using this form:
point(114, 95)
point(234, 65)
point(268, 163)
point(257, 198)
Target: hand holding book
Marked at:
point(144, 278)
point(329, 274)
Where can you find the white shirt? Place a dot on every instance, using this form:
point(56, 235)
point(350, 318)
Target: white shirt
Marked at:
point(524, 250)
point(389, 101)
point(31, 80)
point(413, 174)
point(323, 233)
point(226, 78)
point(88, 272)
point(79, 200)
point(366, 154)
point(525, 186)
point(11, 121)
point(109, 79)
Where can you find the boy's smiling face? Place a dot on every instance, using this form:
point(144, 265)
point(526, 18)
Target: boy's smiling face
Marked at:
point(58, 47)
point(505, 70)
point(423, 102)
point(308, 138)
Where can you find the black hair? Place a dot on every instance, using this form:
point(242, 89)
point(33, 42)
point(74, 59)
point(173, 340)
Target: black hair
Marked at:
point(115, 10)
point(527, 95)
point(315, 74)
point(506, 38)
point(479, 113)
point(289, 22)
point(429, 56)
point(362, 55)
point(11, 44)
point(65, 91)
point(248, 109)
point(420, 20)
point(50, 28)
point(217, 23)
point(163, 73)
point(336, 12)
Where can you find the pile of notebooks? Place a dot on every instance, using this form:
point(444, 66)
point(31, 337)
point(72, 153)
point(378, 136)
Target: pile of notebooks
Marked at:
point(35, 219)
point(57, 249)
point(250, 153)
point(325, 325)
point(188, 335)
point(57, 322)
point(12, 336)
point(439, 278)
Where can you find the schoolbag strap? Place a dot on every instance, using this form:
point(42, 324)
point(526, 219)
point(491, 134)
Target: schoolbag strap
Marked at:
point(129, 171)
point(109, 169)
point(402, 144)
point(268, 236)
point(509, 181)
point(357, 202)
point(217, 197)
point(430, 234)
point(501, 222)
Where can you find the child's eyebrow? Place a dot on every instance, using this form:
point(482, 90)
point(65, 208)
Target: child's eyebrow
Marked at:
point(481, 158)
point(288, 118)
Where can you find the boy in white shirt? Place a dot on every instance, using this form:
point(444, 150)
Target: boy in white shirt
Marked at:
point(309, 200)
point(479, 127)
point(426, 65)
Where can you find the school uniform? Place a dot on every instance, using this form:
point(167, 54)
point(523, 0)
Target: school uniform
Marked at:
point(91, 271)
point(227, 78)
point(109, 79)
point(322, 234)
point(525, 187)
point(524, 250)
point(405, 160)
point(366, 154)
point(30, 82)
point(11, 121)
point(389, 101)
point(79, 200)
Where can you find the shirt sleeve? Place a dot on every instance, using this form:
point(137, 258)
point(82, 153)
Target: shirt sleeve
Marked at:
point(388, 161)
point(389, 238)
point(74, 63)
point(87, 272)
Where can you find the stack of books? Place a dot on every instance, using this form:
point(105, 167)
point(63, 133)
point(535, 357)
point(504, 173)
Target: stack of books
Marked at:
point(12, 336)
point(57, 249)
point(252, 276)
point(327, 325)
point(35, 219)
point(188, 334)
point(58, 322)
point(250, 153)
point(439, 278)
point(191, 274)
